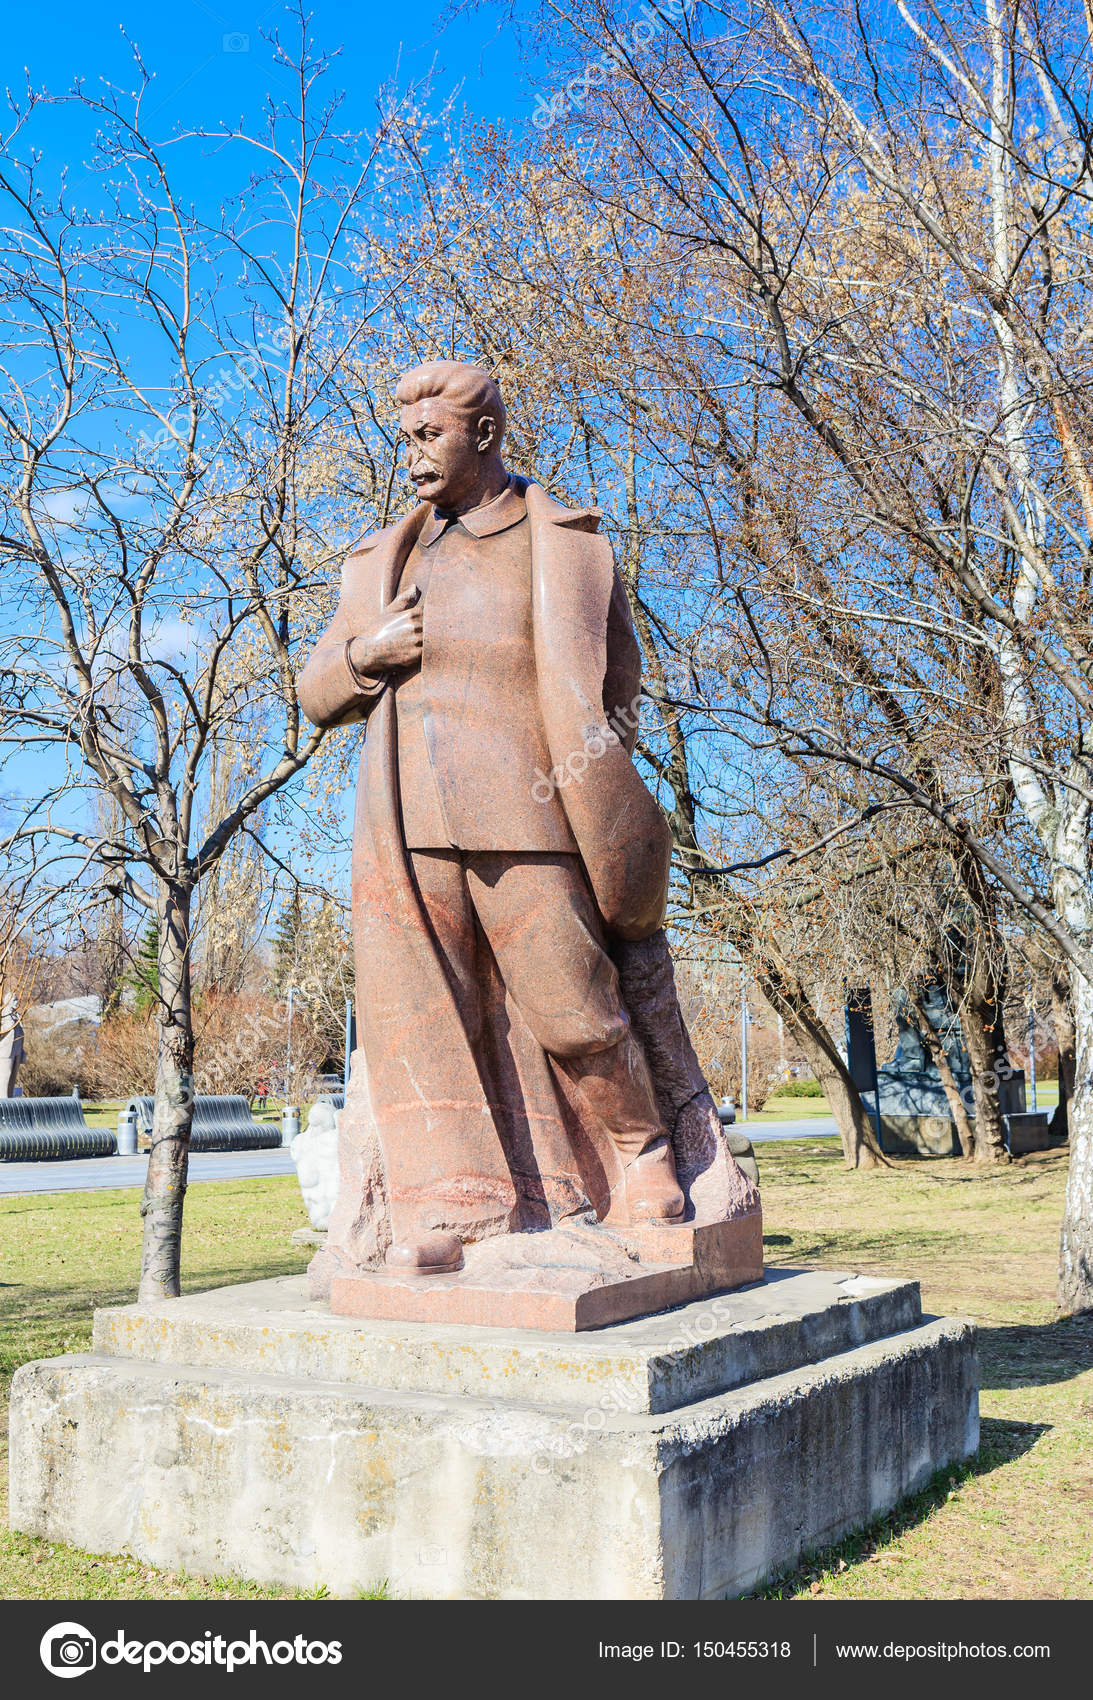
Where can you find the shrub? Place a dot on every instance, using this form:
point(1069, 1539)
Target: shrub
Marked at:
point(236, 1040)
point(123, 1062)
point(799, 1089)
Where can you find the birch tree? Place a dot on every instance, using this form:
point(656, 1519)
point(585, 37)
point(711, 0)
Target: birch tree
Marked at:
point(886, 238)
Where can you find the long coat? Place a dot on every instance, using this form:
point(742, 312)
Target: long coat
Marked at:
point(588, 671)
point(540, 1157)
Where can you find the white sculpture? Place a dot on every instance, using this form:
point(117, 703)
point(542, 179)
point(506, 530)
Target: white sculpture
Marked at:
point(315, 1154)
point(12, 1051)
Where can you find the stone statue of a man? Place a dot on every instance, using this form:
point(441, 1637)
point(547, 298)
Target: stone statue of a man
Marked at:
point(505, 851)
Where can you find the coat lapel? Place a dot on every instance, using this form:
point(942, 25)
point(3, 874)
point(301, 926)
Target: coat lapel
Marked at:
point(373, 571)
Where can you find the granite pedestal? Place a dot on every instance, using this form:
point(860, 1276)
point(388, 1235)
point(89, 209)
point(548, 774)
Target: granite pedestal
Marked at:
point(685, 1455)
point(584, 1276)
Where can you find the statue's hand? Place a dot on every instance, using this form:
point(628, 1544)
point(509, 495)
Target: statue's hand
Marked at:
point(396, 640)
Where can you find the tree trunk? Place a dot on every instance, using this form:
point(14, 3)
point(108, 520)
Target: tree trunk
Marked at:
point(165, 1187)
point(785, 994)
point(957, 1107)
point(1062, 1016)
point(973, 968)
point(1076, 1242)
point(981, 1020)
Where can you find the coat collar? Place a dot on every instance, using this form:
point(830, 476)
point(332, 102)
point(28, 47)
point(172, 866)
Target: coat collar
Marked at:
point(507, 509)
point(520, 496)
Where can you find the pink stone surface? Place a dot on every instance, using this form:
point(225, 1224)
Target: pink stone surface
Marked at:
point(567, 1280)
point(525, 1079)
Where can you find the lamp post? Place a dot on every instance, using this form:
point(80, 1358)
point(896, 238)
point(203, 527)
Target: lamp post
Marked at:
point(744, 1039)
point(348, 1045)
point(291, 993)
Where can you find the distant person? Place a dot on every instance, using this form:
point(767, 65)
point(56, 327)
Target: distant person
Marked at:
point(261, 1089)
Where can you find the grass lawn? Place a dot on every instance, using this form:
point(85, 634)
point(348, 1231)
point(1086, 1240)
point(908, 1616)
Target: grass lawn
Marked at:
point(799, 1109)
point(64, 1253)
point(106, 1114)
point(1016, 1523)
point(103, 1115)
point(790, 1110)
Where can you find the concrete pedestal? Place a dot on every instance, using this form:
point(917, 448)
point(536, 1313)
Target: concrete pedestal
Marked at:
point(680, 1456)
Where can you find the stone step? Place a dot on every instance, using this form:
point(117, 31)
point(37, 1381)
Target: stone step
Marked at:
point(653, 1364)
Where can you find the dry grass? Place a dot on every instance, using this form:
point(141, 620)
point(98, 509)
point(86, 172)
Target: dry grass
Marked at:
point(1017, 1523)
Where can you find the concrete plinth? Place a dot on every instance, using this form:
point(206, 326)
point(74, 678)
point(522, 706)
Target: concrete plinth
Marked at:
point(681, 1456)
point(919, 1136)
point(1030, 1131)
point(936, 1136)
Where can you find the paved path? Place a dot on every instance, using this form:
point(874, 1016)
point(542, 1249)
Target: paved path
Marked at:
point(811, 1127)
point(79, 1174)
point(82, 1174)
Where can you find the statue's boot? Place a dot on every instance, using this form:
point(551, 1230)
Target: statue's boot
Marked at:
point(616, 1085)
point(653, 1194)
point(425, 1254)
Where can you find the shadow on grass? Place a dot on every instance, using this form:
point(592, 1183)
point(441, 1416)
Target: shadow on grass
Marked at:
point(1031, 1356)
point(999, 1443)
point(847, 1248)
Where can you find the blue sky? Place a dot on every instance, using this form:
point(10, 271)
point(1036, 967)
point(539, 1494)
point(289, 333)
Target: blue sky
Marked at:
point(211, 62)
point(211, 67)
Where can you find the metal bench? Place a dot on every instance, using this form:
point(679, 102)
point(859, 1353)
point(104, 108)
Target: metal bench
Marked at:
point(219, 1124)
point(40, 1128)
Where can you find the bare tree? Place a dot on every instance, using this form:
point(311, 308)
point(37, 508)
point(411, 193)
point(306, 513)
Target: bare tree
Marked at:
point(174, 375)
point(884, 242)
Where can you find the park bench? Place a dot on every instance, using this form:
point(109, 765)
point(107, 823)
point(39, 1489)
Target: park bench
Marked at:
point(220, 1124)
point(36, 1128)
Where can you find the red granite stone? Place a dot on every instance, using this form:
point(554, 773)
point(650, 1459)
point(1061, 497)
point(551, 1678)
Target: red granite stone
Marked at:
point(576, 1285)
point(523, 1062)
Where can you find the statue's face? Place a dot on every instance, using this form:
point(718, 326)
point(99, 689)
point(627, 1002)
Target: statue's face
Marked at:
point(446, 450)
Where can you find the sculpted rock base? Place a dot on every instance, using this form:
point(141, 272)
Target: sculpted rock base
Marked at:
point(572, 1278)
point(593, 1266)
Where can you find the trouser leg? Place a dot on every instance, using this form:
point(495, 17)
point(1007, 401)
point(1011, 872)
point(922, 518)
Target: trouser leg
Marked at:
point(616, 1085)
point(544, 929)
point(420, 1015)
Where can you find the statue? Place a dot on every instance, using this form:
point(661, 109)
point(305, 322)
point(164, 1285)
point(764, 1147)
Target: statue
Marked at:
point(523, 1065)
point(12, 1051)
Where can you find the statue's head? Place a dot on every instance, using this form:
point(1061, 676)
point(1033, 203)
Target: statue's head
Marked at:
point(453, 420)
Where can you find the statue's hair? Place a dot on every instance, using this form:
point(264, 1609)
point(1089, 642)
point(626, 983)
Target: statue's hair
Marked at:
point(467, 387)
